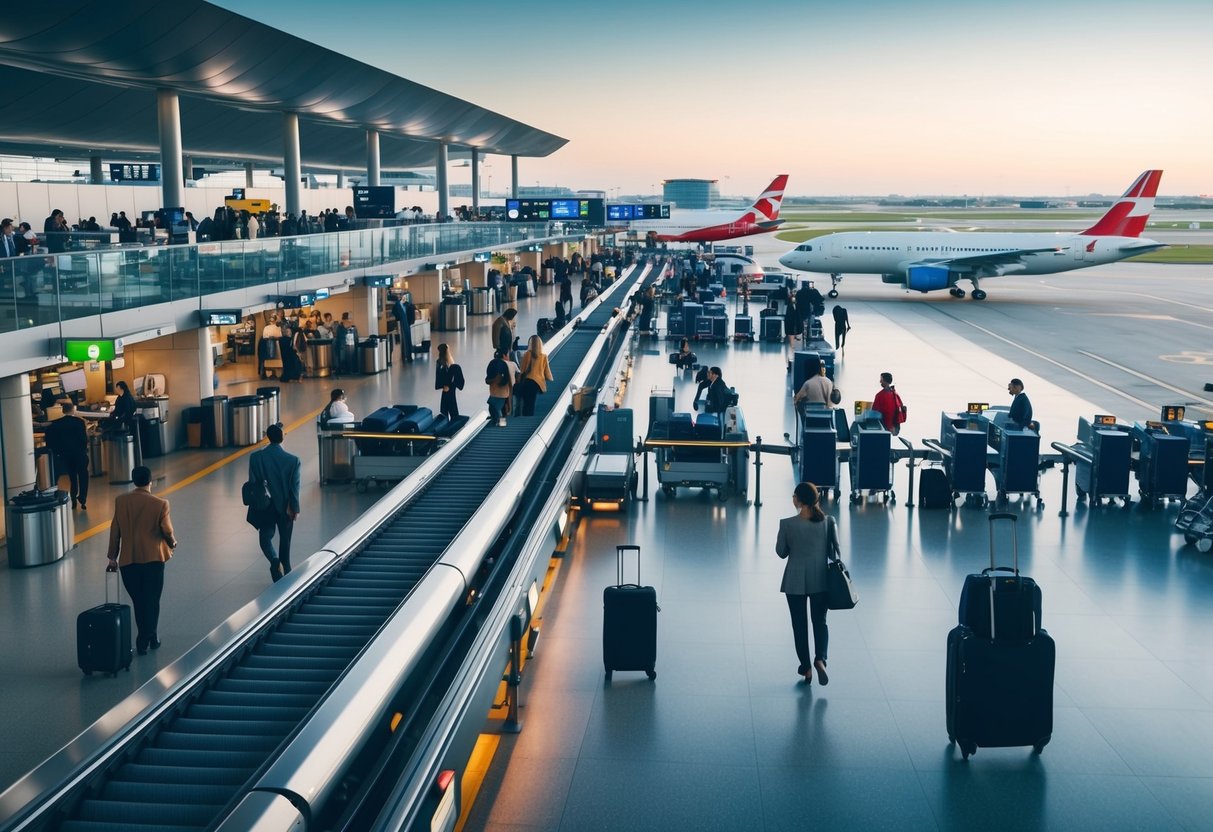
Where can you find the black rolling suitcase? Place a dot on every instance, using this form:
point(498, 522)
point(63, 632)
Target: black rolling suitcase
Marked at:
point(933, 489)
point(999, 599)
point(629, 622)
point(999, 691)
point(103, 636)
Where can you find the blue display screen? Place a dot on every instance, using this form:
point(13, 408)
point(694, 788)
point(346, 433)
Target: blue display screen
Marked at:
point(565, 209)
point(620, 212)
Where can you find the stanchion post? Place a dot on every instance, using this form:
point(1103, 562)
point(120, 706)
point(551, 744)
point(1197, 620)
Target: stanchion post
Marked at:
point(513, 724)
point(758, 473)
point(1065, 487)
point(644, 461)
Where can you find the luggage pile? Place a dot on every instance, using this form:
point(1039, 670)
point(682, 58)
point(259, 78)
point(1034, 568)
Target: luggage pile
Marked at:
point(403, 435)
point(1000, 660)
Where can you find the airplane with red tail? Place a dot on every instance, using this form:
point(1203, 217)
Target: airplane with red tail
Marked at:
point(712, 226)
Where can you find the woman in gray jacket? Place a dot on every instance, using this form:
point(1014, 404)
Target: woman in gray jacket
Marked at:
point(805, 540)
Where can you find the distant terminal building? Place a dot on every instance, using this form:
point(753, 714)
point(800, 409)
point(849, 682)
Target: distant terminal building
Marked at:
point(529, 191)
point(1037, 203)
point(695, 194)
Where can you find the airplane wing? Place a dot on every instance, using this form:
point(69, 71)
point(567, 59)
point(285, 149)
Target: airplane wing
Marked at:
point(986, 259)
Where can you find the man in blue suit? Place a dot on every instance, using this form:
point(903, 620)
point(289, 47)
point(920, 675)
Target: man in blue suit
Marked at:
point(279, 471)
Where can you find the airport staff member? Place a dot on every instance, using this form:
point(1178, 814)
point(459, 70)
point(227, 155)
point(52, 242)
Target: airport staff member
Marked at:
point(1021, 408)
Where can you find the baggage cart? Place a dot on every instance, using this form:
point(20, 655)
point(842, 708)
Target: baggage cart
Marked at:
point(871, 463)
point(1195, 521)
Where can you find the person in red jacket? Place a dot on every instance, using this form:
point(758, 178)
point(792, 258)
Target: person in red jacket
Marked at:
point(889, 405)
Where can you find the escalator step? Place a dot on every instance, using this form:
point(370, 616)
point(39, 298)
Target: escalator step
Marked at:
point(196, 794)
point(217, 742)
point(139, 773)
point(237, 727)
point(151, 814)
point(200, 758)
point(258, 712)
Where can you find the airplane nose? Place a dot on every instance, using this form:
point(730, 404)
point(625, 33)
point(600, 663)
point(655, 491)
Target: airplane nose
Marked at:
point(783, 261)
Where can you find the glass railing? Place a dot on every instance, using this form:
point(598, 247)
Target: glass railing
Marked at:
point(38, 289)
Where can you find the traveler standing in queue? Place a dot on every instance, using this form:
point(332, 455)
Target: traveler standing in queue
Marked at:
point(500, 379)
point(889, 405)
point(448, 377)
point(67, 437)
point(267, 350)
point(536, 373)
point(1021, 407)
point(279, 471)
point(141, 541)
point(503, 331)
point(405, 314)
point(816, 389)
point(718, 395)
point(842, 325)
point(804, 541)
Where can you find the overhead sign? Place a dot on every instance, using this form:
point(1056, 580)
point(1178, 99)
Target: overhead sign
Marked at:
point(640, 211)
point(96, 349)
point(130, 172)
point(590, 211)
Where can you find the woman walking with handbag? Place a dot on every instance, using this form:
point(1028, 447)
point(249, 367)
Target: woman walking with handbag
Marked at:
point(535, 375)
point(805, 540)
point(448, 377)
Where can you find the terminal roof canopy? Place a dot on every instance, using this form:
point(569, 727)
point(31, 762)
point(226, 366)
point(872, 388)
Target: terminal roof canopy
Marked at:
point(82, 75)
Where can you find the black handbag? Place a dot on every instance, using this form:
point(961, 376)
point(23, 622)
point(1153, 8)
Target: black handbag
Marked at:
point(256, 495)
point(840, 591)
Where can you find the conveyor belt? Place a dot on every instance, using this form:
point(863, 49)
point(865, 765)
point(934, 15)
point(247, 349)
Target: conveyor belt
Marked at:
point(194, 764)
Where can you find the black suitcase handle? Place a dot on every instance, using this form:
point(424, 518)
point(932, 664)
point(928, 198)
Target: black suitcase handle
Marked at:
point(619, 552)
point(1014, 519)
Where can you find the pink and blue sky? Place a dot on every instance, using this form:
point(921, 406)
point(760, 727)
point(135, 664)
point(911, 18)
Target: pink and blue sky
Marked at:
point(860, 97)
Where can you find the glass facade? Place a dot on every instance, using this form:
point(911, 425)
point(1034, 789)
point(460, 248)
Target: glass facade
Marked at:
point(695, 194)
point(41, 289)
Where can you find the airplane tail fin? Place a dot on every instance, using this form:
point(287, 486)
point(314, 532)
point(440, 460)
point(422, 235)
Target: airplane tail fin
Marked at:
point(1128, 217)
point(766, 206)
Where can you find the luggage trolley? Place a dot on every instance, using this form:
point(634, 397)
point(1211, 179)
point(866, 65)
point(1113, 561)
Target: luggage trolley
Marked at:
point(871, 461)
point(1161, 463)
point(819, 460)
point(963, 437)
point(1015, 460)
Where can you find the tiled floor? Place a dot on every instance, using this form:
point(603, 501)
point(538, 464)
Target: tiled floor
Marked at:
point(728, 738)
point(218, 566)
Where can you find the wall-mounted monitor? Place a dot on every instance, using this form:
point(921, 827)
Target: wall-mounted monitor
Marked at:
point(481, 257)
point(219, 317)
point(378, 281)
point(92, 349)
point(134, 172)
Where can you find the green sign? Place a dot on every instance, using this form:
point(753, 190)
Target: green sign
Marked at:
point(80, 349)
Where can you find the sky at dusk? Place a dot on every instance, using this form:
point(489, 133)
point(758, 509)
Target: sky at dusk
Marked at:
point(864, 97)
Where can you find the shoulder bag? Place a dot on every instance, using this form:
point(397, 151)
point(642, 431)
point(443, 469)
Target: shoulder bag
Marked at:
point(841, 592)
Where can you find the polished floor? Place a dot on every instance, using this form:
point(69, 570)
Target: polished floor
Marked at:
point(728, 738)
point(217, 567)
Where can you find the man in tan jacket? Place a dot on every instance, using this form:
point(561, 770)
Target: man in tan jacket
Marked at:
point(141, 541)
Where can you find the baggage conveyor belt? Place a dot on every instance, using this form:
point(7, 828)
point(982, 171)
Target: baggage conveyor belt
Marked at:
point(189, 767)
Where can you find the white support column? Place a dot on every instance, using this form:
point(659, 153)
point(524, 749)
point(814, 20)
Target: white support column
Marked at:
point(372, 158)
point(248, 175)
point(475, 181)
point(206, 364)
point(514, 176)
point(340, 179)
point(16, 435)
point(187, 170)
point(444, 192)
point(291, 162)
point(168, 120)
point(95, 174)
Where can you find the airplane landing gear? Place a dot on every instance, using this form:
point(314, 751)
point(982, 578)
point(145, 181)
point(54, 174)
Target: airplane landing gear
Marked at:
point(835, 279)
point(978, 294)
point(956, 292)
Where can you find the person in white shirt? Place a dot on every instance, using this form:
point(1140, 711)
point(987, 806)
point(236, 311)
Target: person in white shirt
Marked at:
point(816, 389)
point(337, 412)
point(254, 227)
point(269, 348)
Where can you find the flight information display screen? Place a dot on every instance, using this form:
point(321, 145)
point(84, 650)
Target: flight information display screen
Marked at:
point(644, 211)
point(591, 211)
point(134, 172)
point(374, 202)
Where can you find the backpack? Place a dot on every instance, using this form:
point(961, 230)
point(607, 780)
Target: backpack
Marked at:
point(326, 415)
point(410, 313)
point(899, 414)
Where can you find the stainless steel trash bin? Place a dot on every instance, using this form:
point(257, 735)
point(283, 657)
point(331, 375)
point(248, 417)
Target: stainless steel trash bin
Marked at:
point(40, 528)
point(216, 421)
point(372, 355)
point(273, 404)
point(96, 454)
point(119, 457)
point(320, 357)
point(454, 315)
point(482, 302)
point(153, 439)
point(511, 293)
point(247, 428)
point(44, 466)
point(337, 453)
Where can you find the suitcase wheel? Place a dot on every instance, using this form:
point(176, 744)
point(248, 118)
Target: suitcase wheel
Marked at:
point(608, 675)
point(88, 673)
point(968, 749)
point(652, 674)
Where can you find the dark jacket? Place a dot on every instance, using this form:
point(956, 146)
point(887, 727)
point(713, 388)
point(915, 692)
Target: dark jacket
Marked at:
point(448, 376)
point(1021, 410)
point(718, 397)
point(280, 470)
point(68, 437)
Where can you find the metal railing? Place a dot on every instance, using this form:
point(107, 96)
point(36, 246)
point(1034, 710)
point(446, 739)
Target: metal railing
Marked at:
point(40, 289)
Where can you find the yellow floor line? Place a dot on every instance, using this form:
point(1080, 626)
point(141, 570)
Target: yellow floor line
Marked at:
point(474, 774)
point(210, 469)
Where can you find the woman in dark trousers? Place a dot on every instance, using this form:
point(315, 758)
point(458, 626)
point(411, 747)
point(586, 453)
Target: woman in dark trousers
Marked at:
point(292, 367)
point(804, 540)
point(448, 377)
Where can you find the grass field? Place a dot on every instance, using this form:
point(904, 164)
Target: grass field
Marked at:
point(799, 235)
point(1192, 255)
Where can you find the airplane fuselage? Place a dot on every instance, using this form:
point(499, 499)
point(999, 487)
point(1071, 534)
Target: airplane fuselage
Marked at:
point(702, 226)
point(892, 253)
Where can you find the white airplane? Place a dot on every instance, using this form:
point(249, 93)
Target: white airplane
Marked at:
point(924, 261)
point(711, 226)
